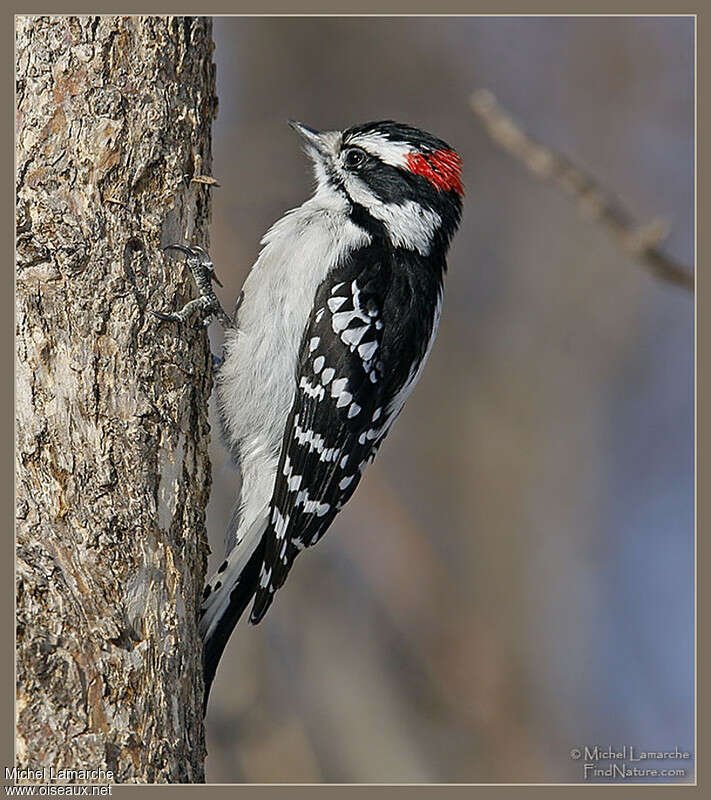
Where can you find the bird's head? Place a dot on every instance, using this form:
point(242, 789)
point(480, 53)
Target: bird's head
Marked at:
point(404, 178)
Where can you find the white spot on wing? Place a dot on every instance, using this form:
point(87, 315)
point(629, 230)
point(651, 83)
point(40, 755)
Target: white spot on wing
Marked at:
point(354, 335)
point(312, 391)
point(336, 302)
point(343, 319)
point(367, 350)
point(343, 399)
point(310, 438)
point(311, 506)
point(280, 525)
point(264, 576)
point(338, 386)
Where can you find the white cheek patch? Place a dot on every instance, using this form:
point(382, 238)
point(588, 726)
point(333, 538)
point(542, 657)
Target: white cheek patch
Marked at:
point(389, 152)
point(408, 224)
point(358, 191)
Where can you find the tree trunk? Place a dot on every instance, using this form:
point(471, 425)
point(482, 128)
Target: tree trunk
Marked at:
point(113, 126)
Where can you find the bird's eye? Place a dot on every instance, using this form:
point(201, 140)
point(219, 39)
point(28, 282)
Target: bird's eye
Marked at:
point(354, 157)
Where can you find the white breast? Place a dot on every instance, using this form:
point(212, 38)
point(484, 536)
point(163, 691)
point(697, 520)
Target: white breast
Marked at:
point(256, 382)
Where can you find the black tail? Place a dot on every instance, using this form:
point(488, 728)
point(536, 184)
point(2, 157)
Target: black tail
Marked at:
point(240, 596)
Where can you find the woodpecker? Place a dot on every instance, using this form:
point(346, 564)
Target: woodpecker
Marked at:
point(330, 335)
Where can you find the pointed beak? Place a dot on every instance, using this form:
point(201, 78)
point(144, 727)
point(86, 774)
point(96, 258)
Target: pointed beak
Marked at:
point(313, 139)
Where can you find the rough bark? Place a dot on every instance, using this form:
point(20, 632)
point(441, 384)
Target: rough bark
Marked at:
point(113, 125)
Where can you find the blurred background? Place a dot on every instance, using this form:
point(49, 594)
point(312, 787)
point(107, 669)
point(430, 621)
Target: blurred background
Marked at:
point(514, 577)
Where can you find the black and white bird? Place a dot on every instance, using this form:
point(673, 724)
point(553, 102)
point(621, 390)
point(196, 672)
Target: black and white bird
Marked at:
point(334, 325)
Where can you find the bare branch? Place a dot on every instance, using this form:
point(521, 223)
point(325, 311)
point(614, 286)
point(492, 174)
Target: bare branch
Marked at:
point(640, 241)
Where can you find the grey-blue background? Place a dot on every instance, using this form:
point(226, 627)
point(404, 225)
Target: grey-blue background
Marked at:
point(515, 575)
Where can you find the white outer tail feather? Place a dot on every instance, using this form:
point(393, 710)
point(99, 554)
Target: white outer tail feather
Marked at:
point(218, 601)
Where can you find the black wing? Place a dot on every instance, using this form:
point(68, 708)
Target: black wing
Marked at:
point(332, 430)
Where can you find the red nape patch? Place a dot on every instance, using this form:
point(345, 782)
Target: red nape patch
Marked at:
point(443, 169)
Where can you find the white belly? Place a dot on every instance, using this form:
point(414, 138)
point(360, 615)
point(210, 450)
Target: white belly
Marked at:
point(256, 381)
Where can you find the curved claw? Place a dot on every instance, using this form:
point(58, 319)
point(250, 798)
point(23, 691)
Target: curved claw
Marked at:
point(166, 317)
point(206, 262)
point(181, 247)
point(197, 252)
point(207, 303)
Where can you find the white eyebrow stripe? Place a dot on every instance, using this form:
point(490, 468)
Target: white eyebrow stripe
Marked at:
point(389, 152)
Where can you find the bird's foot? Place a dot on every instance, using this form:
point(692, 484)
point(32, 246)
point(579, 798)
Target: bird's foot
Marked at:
point(207, 306)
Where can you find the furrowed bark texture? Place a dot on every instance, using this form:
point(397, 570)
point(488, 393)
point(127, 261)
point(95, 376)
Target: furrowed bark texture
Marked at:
point(113, 124)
